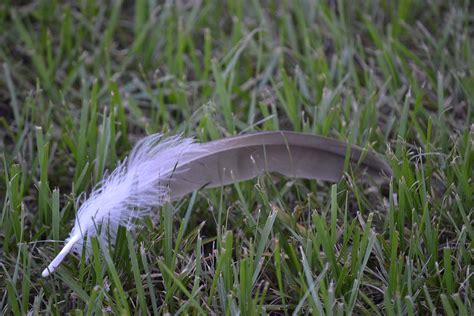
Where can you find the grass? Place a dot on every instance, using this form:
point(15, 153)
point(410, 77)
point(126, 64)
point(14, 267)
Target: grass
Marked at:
point(81, 82)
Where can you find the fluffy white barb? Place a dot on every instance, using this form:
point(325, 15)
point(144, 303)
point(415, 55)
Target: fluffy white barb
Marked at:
point(137, 186)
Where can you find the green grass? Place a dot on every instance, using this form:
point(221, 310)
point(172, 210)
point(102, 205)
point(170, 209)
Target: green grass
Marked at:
point(81, 83)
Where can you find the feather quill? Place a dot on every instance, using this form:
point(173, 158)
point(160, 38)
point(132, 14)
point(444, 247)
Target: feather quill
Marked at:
point(160, 170)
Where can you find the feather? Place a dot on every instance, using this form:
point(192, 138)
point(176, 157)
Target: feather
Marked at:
point(160, 170)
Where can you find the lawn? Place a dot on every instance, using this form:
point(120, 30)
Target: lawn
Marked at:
point(82, 81)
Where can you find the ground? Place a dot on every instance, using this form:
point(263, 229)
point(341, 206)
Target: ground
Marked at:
point(81, 82)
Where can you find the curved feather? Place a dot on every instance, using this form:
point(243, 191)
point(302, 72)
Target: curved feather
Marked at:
point(160, 170)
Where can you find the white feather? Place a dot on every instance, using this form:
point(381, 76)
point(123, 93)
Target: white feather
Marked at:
point(156, 167)
point(137, 186)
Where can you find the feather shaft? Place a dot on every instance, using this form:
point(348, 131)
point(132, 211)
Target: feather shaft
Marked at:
point(61, 255)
